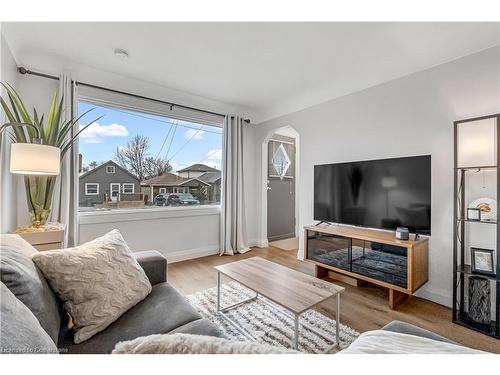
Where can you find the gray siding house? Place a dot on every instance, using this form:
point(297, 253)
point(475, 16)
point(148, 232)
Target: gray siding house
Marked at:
point(202, 181)
point(108, 179)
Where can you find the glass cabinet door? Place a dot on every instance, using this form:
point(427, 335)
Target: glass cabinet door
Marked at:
point(329, 249)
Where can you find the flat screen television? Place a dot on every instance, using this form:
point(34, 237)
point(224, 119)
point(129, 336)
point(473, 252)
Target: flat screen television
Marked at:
point(383, 194)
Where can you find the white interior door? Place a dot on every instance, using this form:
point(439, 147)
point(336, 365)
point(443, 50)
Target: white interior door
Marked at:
point(114, 190)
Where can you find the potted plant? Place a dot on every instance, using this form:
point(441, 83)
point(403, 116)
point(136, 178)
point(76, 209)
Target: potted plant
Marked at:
point(54, 131)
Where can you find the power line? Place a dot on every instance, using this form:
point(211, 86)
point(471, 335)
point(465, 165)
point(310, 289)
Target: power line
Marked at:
point(171, 140)
point(164, 141)
point(185, 144)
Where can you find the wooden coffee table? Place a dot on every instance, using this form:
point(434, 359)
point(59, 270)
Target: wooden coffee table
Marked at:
point(292, 290)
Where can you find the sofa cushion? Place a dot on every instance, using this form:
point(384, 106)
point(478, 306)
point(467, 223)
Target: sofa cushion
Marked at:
point(410, 329)
point(202, 327)
point(162, 311)
point(26, 282)
point(20, 330)
point(97, 281)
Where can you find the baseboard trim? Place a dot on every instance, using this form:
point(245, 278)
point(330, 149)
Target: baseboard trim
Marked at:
point(258, 243)
point(439, 297)
point(200, 252)
point(179, 256)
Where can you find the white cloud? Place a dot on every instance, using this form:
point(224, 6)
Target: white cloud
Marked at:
point(194, 134)
point(213, 158)
point(95, 132)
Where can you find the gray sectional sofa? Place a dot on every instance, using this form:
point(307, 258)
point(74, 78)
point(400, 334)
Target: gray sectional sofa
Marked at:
point(32, 320)
point(31, 314)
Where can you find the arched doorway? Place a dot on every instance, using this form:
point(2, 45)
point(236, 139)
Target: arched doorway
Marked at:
point(280, 151)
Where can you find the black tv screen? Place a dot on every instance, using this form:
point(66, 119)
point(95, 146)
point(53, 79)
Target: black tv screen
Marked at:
point(383, 194)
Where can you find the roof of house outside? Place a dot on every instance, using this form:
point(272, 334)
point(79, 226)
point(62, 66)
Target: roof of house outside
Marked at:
point(198, 168)
point(210, 177)
point(166, 179)
point(109, 162)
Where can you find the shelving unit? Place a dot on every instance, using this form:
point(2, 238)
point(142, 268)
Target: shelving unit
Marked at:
point(462, 241)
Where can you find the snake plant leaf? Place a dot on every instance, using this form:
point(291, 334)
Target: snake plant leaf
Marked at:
point(68, 126)
point(14, 109)
point(39, 126)
point(29, 200)
point(52, 113)
point(19, 133)
point(56, 126)
point(18, 103)
point(69, 144)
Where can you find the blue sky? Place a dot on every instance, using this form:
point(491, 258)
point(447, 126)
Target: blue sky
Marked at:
point(187, 143)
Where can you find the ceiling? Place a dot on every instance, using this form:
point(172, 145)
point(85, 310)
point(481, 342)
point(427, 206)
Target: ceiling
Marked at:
point(269, 69)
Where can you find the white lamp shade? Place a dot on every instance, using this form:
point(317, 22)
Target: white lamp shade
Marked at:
point(477, 143)
point(35, 159)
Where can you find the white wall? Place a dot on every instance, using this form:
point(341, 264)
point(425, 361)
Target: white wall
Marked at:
point(8, 183)
point(412, 115)
point(179, 234)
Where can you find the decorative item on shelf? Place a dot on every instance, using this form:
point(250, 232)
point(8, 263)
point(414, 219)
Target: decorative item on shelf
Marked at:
point(487, 206)
point(479, 300)
point(402, 233)
point(38, 148)
point(473, 214)
point(482, 261)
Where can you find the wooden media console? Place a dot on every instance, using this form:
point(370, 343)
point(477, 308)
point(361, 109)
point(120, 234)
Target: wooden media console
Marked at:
point(352, 254)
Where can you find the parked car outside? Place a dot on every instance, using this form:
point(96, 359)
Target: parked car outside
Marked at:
point(181, 199)
point(161, 199)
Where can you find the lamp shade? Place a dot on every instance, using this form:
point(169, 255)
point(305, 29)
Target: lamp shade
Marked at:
point(35, 159)
point(477, 143)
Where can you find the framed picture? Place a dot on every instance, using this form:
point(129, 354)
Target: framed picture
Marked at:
point(474, 214)
point(482, 261)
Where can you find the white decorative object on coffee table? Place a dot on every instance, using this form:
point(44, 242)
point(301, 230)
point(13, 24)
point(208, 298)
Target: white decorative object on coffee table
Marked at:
point(293, 290)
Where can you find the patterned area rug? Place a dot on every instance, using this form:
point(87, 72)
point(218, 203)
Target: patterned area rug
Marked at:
point(267, 322)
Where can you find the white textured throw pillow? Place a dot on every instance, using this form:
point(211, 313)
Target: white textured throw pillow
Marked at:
point(97, 281)
point(182, 343)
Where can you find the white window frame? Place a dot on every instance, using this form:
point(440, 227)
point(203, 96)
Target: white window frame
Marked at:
point(87, 187)
point(163, 190)
point(113, 169)
point(128, 184)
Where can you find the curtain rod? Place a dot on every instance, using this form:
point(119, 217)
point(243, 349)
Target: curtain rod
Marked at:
point(23, 71)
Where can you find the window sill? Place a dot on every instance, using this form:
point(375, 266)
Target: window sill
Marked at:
point(135, 214)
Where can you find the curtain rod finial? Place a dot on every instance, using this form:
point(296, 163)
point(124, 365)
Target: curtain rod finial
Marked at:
point(22, 70)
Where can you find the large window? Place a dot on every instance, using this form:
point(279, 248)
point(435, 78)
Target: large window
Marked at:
point(144, 160)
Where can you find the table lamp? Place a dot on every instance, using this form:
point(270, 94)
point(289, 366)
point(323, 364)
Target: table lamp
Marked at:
point(33, 158)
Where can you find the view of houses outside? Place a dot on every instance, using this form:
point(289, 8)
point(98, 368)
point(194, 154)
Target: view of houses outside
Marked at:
point(132, 159)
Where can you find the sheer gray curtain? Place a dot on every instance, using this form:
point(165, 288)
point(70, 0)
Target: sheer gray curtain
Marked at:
point(232, 227)
point(65, 203)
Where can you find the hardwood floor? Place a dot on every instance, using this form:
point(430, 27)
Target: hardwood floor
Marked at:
point(363, 308)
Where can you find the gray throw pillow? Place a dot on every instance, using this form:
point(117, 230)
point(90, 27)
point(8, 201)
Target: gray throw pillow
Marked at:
point(26, 282)
point(97, 281)
point(20, 331)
